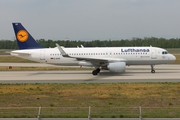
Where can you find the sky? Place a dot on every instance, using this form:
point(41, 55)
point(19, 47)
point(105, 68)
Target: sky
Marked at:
point(91, 19)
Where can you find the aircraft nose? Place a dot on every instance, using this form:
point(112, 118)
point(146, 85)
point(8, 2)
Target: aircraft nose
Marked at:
point(173, 57)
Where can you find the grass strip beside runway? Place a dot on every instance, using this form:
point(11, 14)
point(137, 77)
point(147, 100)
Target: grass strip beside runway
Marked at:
point(16, 68)
point(13, 59)
point(159, 100)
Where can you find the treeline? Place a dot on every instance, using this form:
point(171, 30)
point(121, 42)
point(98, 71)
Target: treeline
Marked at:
point(157, 42)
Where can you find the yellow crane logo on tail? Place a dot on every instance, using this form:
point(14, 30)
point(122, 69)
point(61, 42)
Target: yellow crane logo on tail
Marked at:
point(22, 35)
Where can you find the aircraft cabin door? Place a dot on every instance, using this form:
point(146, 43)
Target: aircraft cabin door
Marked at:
point(42, 57)
point(153, 53)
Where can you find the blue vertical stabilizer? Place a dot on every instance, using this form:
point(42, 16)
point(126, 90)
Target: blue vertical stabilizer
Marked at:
point(24, 39)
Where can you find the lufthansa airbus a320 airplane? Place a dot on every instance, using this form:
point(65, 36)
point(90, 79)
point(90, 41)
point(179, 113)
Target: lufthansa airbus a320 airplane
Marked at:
point(113, 59)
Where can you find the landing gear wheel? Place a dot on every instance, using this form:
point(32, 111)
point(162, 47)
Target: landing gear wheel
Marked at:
point(152, 71)
point(95, 72)
point(98, 70)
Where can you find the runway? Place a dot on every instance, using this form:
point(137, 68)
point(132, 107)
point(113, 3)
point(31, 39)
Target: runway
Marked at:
point(164, 73)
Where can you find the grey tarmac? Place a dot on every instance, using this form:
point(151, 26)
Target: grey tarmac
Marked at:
point(164, 73)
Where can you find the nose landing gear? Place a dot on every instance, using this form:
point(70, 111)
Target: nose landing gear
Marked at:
point(152, 69)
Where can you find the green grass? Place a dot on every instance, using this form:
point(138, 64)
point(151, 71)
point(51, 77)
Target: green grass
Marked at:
point(106, 100)
point(174, 50)
point(16, 68)
point(13, 59)
point(5, 52)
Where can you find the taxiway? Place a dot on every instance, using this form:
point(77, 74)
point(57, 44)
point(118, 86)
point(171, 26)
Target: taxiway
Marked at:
point(164, 73)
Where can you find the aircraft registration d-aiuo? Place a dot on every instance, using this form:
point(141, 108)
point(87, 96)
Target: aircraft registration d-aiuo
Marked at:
point(114, 59)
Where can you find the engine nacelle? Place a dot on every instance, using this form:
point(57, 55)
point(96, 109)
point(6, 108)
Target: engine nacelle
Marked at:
point(117, 67)
point(84, 63)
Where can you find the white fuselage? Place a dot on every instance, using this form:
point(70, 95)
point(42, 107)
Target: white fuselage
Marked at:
point(130, 55)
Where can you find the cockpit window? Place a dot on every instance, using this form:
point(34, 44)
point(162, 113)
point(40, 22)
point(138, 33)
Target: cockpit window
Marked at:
point(165, 52)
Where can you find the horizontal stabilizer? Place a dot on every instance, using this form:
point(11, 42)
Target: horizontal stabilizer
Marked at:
point(16, 53)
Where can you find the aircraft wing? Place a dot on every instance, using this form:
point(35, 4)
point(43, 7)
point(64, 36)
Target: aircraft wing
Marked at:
point(91, 59)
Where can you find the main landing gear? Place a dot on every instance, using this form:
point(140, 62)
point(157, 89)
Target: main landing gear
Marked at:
point(96, 71)
point(152, 69)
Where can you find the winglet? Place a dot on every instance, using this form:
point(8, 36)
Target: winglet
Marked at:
point(64, 54)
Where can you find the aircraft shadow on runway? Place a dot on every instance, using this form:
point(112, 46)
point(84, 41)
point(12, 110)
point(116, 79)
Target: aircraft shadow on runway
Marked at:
point(58, 72)
point(79, 72)
point(103, 73)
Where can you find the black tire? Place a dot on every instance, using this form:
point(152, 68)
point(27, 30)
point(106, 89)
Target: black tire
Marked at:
point(98, 70)
point(152, 71)
point(94, 72)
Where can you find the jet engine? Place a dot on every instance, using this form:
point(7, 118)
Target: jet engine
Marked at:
point(117, 67)
point(84, 63)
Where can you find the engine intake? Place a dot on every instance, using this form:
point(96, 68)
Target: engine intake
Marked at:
point(117, 67)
